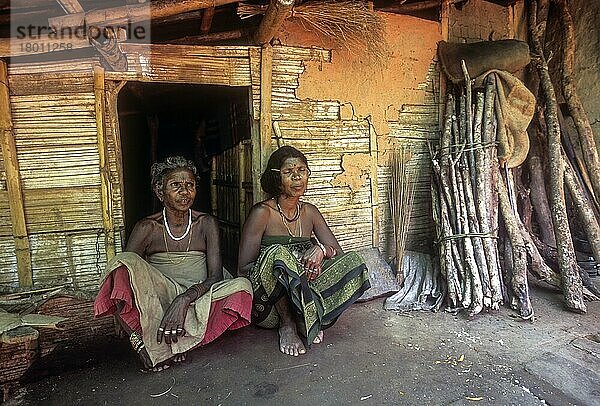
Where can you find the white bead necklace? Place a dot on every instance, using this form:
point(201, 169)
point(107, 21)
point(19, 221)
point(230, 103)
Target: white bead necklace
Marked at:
point(189, 226)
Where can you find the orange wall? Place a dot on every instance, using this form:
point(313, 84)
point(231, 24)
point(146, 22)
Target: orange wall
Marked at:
point(368, 87)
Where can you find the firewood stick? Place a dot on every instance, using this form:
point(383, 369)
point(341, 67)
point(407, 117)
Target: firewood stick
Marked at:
point(465, 274)
point(550, 256)
point(441, 167)
point(485, 194)
point(519, 274)
point(541, 208)
point(538, 267)
point(473, 246)
point(477, 241)
point(584, 210)
point(469, 120)
point(572, 284)
point(440, 216)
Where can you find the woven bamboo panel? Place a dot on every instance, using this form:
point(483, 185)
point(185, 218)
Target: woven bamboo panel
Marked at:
point(8, 262)
point(50, 83)
point(75, 259)
point(302, 54)
point(229, 66)
point(5, 221)
point(55, 137)
point(81, 66)
point(58, 209)
point(324, 143)
point(290, 108)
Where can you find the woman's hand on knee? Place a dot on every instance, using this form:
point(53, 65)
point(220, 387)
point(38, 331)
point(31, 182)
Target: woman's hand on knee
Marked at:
point(312, 260)
point(171, 325)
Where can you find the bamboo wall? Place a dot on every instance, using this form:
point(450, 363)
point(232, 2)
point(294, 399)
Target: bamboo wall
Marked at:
point(8, 260)
point(56, 119)
point(54, 127)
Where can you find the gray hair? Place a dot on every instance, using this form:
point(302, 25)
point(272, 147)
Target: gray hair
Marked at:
point(159, 170)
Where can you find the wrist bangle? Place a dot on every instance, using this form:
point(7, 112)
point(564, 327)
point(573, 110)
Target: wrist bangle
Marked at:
point(322, 248)
point(198, 291)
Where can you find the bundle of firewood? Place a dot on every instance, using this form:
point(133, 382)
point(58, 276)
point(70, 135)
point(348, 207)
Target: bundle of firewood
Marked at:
point(465, 205)
point(495, 221)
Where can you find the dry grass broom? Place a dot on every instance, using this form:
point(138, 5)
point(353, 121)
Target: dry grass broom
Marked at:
point(350, 24)
point(401, 203)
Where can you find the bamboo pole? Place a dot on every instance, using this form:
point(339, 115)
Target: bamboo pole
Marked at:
point(13, 184)
point(242, 181)
point(266, 122)
point(213, 186)
point(70, 6)
point(106, 187)
point(374, 186)
point(276, 13)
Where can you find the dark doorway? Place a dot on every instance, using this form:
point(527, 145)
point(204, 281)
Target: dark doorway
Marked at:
point(157, 120)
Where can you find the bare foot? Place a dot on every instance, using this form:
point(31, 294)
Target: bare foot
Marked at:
point(319, 338)
point(157, 368)
point(177, 358)
point(289, 342)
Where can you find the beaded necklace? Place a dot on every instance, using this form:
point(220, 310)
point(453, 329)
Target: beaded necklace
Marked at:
point(187, 230)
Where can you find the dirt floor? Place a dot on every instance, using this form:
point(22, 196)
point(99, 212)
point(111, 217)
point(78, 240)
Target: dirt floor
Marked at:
point(370, 357)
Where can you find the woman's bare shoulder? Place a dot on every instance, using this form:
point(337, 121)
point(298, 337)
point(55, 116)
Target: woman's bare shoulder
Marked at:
point(263, 208)
point(150, 221)
point(310, 208)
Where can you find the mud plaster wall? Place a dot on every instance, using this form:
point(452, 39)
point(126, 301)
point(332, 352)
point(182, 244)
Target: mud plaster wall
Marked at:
point(586, 69)
point(397, 96)
point(479, 20)
point(586, 15)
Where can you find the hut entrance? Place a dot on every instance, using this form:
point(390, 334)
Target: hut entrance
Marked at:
point(207, 124)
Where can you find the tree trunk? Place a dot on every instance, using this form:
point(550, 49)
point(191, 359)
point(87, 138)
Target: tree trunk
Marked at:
point(572, 286)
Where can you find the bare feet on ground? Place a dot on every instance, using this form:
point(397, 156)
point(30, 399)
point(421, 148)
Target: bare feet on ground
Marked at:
point(319, 338)
point(178, 357)
point(289, 342)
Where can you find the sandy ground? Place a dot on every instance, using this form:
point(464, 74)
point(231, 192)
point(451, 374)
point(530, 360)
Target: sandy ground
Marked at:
point(370, 357)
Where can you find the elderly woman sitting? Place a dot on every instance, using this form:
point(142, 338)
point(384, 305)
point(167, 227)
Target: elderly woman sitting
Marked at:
point(167, 288)
point(302, 279)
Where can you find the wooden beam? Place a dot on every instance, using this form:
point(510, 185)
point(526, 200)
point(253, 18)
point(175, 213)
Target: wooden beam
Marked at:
point(207, 17)
point(415, 7)
point(131, 14)
point(13, 184)
point(106, 188)
point(212, 37)
point(70, 6)
point(276, 13)
point(261, 139)
point(11, 47)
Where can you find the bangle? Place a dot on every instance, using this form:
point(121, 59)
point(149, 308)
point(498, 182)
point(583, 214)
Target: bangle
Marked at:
point(322, 248)
point(196, 287)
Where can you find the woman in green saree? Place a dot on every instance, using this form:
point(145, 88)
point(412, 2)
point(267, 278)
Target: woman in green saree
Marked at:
point(302, 280)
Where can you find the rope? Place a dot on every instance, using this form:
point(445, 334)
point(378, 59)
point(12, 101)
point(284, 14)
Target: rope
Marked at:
point(459, 236)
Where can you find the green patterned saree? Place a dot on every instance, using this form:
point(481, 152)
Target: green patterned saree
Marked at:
point(317, 304)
